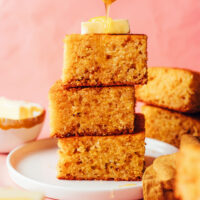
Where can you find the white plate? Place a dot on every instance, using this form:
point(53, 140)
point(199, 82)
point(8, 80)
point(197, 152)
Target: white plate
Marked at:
point(33, 167)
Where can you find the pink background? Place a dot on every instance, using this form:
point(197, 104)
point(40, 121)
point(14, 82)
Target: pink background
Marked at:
point(32, 32)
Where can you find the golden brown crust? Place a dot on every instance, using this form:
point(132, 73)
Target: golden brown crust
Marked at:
point(171, 88)
point(189, 139)
point(22, 123)
point(93, 133)
point(105, 60)
point(139, 127)
point(85, 83)
point(99, 179)
point(182, 109)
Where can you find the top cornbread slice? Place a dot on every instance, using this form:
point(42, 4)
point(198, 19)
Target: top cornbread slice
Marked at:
point(104, 60)
point(94, 111)
point(175, 89)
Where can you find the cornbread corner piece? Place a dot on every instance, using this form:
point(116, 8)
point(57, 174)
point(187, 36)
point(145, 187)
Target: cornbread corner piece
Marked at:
point(188, 171)
point(169, 126)
point(104, 59)
point(119, 158)
point(91, 111)
point(175, 89)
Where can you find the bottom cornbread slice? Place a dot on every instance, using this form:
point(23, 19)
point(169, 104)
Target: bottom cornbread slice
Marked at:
point(119, 158)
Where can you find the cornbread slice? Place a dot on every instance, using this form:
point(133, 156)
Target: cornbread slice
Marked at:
point(188, 170)
point(91, 111)
point(158, 180)
point(169, 126)
point(176, 89)
point(119, 158)
point(104, 59)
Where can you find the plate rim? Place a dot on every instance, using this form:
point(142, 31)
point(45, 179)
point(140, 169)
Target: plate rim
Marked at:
point(12, 170)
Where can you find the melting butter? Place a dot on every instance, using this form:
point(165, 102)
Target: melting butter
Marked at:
point(103, 25)
point(10, 109)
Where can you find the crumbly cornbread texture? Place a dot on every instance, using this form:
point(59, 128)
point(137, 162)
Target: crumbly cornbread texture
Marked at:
point(176, 89)
point(188, 171)
point(104, 59)
point(158, 179)
point(169, 126)
point(119, 158)
point(91, 111)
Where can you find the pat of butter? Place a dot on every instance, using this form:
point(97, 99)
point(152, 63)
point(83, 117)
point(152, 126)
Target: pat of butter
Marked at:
point(11, 109)
point(101, 25)
point(16, 194)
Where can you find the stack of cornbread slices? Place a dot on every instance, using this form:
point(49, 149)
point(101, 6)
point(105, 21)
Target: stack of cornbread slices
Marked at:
point(92, 109)
point(172, 96)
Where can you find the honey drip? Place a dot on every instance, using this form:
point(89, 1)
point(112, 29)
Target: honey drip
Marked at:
point(107, 8)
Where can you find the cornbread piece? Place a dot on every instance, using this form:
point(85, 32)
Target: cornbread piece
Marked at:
point(104, 59)
point(91, 111)
point(119, 158)
point(176, 89)
point(158, 179)
point(169, 126)
point(188, 170)
point(189, 139)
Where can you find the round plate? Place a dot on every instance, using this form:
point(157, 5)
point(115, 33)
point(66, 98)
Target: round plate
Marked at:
point(33, 167)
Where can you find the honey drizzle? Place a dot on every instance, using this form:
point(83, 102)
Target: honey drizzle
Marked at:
point(107, 8)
